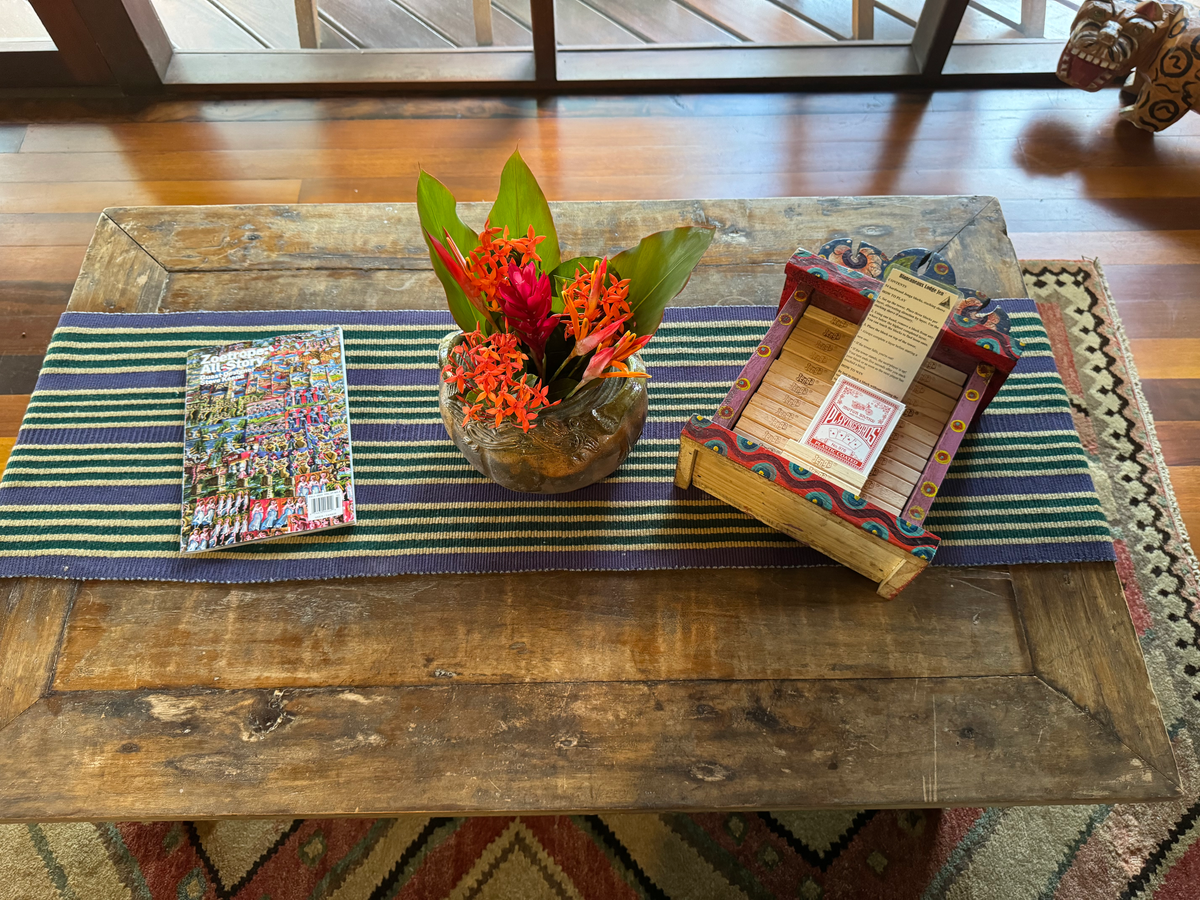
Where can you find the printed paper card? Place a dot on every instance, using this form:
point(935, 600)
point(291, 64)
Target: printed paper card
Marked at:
point(898, 332)
point(848, 433)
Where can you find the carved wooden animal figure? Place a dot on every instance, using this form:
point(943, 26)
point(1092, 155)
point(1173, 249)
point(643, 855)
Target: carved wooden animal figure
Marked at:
point(1160, 40)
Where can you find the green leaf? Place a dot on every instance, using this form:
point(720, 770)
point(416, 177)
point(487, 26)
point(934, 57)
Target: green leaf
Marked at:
point(557, 348)
point(437, 210)
point(657, 269)
point(564, 273)
point(561, 388)
point(521, 203)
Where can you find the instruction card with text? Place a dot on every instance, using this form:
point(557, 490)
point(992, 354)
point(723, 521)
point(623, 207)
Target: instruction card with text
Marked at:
point(898, 332)
point(851, 427)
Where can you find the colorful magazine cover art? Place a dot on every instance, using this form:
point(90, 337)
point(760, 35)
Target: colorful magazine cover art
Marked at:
point(266, 448)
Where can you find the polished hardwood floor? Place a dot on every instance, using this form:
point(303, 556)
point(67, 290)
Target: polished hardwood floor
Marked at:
point(1072, 179)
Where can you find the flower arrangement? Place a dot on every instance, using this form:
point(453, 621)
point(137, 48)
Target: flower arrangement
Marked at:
point(538, 329)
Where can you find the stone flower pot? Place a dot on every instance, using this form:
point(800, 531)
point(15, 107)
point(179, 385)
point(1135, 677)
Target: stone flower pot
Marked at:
point(576, 443)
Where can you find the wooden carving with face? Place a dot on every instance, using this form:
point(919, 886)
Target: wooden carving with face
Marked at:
point(1110, 39)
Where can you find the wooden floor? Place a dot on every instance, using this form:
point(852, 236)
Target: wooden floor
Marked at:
point(1071, 179)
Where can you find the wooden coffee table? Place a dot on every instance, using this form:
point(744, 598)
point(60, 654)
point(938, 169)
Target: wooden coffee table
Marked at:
point(557, 691)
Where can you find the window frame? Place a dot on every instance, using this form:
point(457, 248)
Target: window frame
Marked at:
point(122, 44)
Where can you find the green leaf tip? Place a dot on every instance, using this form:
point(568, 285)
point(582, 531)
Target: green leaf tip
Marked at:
point(438, 212)
point(519, 204)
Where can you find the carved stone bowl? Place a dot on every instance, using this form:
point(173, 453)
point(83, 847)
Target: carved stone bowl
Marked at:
point(576, 443)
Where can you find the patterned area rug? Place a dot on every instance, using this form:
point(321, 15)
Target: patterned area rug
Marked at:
point(1073, 853)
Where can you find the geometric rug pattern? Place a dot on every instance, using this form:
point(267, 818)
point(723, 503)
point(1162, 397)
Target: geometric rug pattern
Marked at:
point(1073, 853)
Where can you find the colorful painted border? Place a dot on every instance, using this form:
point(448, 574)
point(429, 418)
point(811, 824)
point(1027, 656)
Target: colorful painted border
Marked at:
point(970, 401)
point(978, 328)
point(764, 354)
point(789, 476)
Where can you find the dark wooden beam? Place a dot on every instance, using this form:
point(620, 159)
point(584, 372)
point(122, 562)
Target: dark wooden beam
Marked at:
point(35, 69)
point(124, 36)
point(77, 50)
point(935, 33)
point(545, 48)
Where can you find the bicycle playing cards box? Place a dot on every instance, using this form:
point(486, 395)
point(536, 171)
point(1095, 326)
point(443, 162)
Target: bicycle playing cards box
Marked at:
point(848, 433)
point(266, 450)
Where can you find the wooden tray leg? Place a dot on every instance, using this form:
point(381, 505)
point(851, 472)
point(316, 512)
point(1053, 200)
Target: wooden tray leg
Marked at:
point(904, 572)
point(685, 464)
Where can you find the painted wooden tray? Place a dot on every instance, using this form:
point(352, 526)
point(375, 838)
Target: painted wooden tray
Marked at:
point(734, 455)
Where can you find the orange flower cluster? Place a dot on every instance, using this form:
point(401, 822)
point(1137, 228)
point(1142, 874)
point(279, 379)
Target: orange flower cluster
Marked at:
point(489, 376)
point(487, 266)
point(592, 306)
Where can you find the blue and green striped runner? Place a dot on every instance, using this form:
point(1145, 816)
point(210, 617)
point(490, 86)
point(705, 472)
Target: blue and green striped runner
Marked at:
point(92, 488)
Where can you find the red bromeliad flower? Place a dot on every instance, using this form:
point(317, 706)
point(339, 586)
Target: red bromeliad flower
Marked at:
point(525, 301)
point(489, 264)
point(481, 274)
point(489, 377)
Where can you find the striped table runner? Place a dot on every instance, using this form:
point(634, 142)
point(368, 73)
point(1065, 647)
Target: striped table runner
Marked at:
point(92, 489)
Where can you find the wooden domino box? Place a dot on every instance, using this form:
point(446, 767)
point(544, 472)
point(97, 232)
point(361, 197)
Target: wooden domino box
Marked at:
point(738, 454)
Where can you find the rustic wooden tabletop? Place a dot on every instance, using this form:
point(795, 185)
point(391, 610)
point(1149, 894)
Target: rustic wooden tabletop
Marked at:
point(559, 691)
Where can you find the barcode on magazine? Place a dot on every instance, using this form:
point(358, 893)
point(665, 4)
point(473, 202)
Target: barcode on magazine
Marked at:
point(324, 505)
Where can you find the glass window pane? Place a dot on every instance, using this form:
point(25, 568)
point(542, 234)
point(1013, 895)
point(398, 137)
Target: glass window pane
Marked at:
point(1012, 20)
point(19, 24)
point(635, 23)
point(257, 25)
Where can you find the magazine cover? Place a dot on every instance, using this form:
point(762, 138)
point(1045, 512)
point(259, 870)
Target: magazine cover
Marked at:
point(266, 449)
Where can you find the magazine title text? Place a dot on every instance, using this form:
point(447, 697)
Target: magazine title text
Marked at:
point(232, 364)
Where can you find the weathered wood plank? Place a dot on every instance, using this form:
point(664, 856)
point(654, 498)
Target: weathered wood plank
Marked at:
point(456, 21)
point(757, 285)
point(31, 626)
point(202, 26)
point(761, 21)
point(11, 137)
point(387, 235)
point(117, 274)
point(578, 25)
point(1083, 643)
point(561, 747)
point(610, 626)
point(983, 257)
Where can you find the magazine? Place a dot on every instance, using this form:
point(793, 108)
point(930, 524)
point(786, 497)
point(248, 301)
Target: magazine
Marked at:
point(266, 449)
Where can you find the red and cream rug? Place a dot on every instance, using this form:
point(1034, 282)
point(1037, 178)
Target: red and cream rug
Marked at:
point(1072, 853)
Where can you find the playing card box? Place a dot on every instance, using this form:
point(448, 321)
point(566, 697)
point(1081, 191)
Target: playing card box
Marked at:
point(746, 454)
